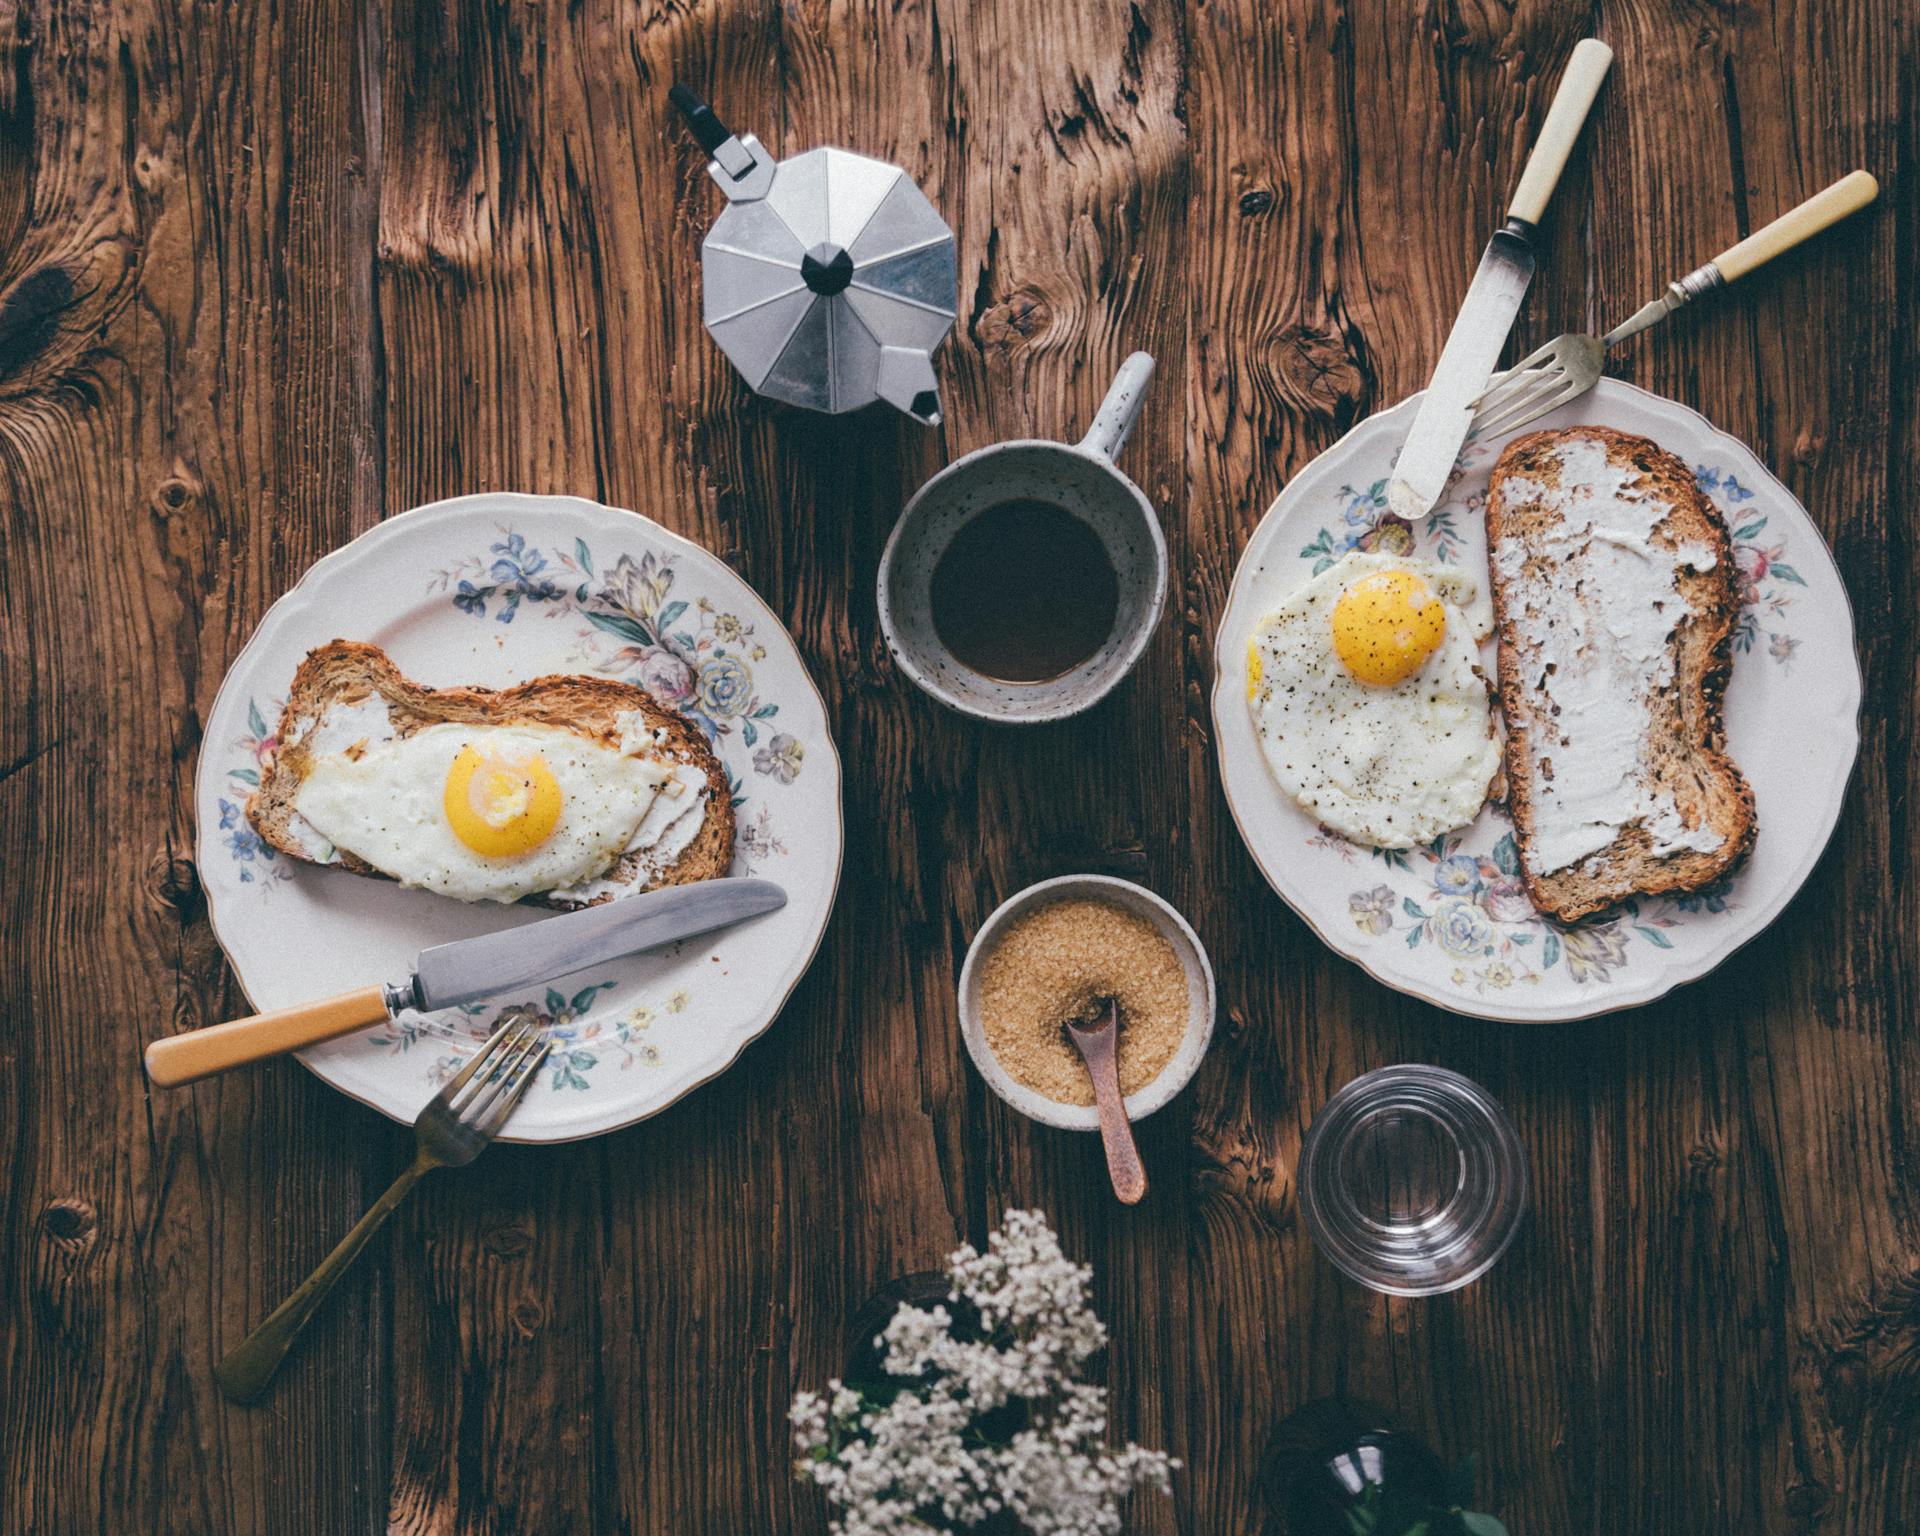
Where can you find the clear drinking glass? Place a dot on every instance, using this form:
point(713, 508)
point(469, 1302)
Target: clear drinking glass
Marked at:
point(1413, 1180)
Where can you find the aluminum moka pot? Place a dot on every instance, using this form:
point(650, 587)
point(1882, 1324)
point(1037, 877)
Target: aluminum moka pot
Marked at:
point(829, 278)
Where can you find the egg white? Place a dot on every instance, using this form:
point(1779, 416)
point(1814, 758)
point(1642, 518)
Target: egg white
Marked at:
point(386, 806)
point(1390, 766)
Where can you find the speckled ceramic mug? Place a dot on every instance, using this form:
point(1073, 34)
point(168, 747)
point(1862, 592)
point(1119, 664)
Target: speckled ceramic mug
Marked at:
point(1081, 479)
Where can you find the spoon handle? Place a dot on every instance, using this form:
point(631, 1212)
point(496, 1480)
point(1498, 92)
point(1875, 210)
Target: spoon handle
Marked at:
point(1116, 1132)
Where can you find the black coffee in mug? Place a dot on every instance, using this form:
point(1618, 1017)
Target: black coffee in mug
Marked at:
point(1024, 593)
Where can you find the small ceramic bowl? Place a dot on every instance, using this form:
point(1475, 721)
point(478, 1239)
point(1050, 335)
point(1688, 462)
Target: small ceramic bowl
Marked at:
point(1080, 478)
point(1193, 960)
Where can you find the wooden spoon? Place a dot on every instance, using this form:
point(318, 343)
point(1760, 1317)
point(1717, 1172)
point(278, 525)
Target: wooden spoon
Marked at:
point(1098, 1042)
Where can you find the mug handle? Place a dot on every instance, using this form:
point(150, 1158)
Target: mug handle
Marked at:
point(1108, 434)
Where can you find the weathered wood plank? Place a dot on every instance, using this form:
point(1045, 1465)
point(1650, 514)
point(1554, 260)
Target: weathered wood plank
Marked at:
point(1759, 1238)
point(270, 274)
point(174, 307)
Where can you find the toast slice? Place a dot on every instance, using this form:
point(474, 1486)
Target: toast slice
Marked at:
point(343, 672)
point(1615, 602)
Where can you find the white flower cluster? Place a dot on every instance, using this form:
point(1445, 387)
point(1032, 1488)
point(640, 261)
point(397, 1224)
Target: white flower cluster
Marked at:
point(924, 1460)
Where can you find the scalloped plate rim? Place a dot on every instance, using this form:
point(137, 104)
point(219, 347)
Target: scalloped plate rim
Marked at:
point(301, 595)
point(1615, 998)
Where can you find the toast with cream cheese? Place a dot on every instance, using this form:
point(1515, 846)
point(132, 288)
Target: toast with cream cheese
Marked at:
point(1614, 602)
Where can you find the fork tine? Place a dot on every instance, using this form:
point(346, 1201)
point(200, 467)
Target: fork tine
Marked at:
point(513, 1049)
point(497, 1114)
point(1517, 410)
point(1573, 391)
point(464, 1076)
point(1541, 360)
point(1540, 357)
point(1571, 388)
point(1512, 383)
point(502, 1081)
point(485, 1065)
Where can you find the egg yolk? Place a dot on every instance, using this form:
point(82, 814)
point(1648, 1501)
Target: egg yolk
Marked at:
point(1386, 625)
point(1254, 669)
point(501, 806)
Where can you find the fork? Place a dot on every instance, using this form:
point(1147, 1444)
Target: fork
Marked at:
point(451, 1132)
point(1568, 366)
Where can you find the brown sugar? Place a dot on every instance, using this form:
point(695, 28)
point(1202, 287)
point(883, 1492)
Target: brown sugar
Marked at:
point(1051, 966)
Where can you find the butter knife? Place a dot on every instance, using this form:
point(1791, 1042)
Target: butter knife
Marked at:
point(1486, 315)
point(467, 970)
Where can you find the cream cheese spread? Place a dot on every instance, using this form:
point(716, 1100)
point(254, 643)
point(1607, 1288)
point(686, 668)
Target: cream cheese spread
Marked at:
point(1593, 621)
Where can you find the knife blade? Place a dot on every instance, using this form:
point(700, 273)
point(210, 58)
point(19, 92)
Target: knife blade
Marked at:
point(466, 970)
point(1460, 378)
point(447, 975)
point(1493, 298)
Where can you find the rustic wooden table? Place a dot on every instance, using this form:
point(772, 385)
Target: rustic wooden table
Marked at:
point(273, 272)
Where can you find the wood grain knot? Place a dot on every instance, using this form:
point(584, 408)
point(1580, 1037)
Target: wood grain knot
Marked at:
point(1023, 316)
point(173, 883)
point(70, 1223)
point(1808, 1499)
point(54, 318)
point(508, 1242)
point(1870, 1365)
point(1241, 1167)
point(528, 1315)
point(1317, 371)
point(30, 317)
point(175, 495)
point(1256, 202)
point(1091, 117)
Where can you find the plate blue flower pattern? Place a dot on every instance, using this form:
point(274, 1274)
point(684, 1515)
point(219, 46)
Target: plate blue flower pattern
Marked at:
point(586, 1035)
point(1450, 921)
point(1473, 910)
point(687, 653)
point(1469, 908)
point(495, 588)
point(255, 861)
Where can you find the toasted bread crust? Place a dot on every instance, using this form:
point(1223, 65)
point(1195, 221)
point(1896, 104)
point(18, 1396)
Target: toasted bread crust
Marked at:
point(349, 670)
point(1688, 747)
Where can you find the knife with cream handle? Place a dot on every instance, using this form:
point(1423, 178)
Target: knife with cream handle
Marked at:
point(1493, 299)
point(470, 969)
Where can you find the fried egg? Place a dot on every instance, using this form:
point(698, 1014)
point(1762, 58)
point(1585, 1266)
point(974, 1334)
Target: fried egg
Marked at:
point(1370, 707)
point(482, 812)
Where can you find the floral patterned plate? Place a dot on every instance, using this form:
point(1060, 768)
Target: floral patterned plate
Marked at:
point(493, 590)
point(1450, 922)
